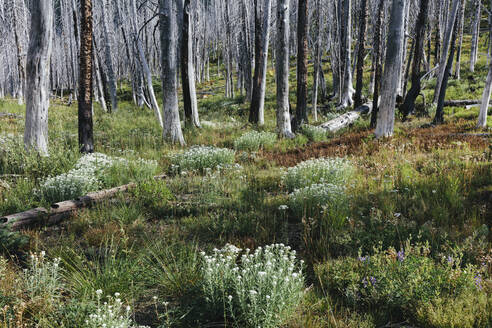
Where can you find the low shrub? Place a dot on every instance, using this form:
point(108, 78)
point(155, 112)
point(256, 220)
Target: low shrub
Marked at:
point(314, 133)
point(260, 289)
point(200, 158)
point(317, 171)
point(254, 140)
point(410, 285)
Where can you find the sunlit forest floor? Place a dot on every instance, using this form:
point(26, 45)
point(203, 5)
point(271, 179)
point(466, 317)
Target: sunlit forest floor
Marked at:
point(405, 238)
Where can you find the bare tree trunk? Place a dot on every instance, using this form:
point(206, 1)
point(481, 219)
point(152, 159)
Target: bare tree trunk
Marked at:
point(392, 68)
point(109, 59)
point(86, 137)
point(302, 63)
point(282, 70)
point(188, 71)
point(482, 117)
point(317, 61)
point(439, 118)
point(38, 76)
point(145, 65)
point(172, 124)
point(475, 27)
point(445, 50)
point(461, 22)
point(247, 52)
point(348, 89)
point(20, 59)
point(377, 66)
point(262, 36)
point(99, 82)
point(409, 103)
point(360, 53)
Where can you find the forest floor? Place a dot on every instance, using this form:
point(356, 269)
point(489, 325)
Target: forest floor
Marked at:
point(407, 244)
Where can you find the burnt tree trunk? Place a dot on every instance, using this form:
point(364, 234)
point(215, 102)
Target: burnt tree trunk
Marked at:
point(302, 63)
point(86, 138)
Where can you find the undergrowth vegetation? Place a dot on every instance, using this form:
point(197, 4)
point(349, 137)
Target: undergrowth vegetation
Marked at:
point(379, 232)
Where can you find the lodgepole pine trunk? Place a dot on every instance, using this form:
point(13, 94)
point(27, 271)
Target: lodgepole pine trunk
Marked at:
point(347, 89)
point(360, 54)
point(392, 71)
point(377, 66)
point(172, 125)
point(302, 63)
point(409, 102)
point(482, 117)
point(38, 76)
point(439, 117)
point(86, 137)
point(282, 70)
point(475, 27)
point(444, 52)
point(188, 71)
point(262, 36)
point(461, 22)
point(108, 53)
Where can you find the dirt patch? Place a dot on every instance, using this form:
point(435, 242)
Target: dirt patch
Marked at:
point(362, 144)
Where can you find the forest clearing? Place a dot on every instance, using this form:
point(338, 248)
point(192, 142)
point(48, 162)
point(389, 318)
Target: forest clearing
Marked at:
point(266, 163)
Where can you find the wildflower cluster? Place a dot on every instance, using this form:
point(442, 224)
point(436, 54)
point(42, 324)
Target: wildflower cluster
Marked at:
point(87, 175)
point(202, 157)
point(314, 133)
point(254, 140)
point(110, 314)
point(409, 281)
point(315, 171)
point(42, 279)
point(259, 289)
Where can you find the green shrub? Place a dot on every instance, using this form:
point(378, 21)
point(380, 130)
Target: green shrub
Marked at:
point(200, 158)
point(314, 133)
point(11, 242)
point(316, 171)
point(254, 140)
point(261, 289)
point(409, 285)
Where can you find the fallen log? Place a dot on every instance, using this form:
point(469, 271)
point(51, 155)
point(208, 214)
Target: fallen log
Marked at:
point(461, 103)
point(347, 119)
point(10, 115)
point(61, 210)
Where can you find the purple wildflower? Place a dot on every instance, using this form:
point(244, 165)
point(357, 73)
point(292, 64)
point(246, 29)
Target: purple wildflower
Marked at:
point(401, 256)
point(373, 281)
point(450, 260)
point(478, 281)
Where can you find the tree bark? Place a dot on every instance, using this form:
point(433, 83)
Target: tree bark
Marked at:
point(302, 63)
point(145, 68)
point(361, 53)
point(188, 71)
point(409, 103)
point(444, 52)
point(86, 137)
point(475, 27)
point(348, 89)
point(439, 117)
point(282, 70)
point(108, 52)
point(461, 22)
point(392, 68)
point(377, 66)
point(38, 76)
point(482, 117)
point(172, 124)
point(262, 36)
